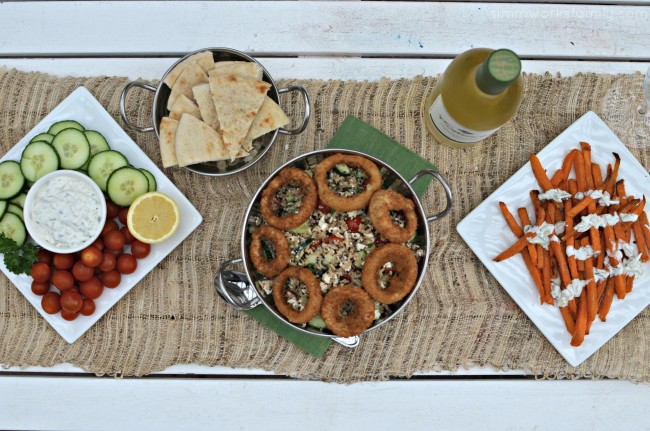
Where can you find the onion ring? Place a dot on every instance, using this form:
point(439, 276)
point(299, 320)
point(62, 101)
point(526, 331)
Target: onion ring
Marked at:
point(269, 267)
point(309, 193)
point(358, 318)
point(342, 203)
point(404, 264)
point(384, 201)
point(313, 289)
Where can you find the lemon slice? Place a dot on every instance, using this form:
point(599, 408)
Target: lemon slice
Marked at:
point(153, 217)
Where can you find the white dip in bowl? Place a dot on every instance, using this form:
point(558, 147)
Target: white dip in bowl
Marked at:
point(65, 211)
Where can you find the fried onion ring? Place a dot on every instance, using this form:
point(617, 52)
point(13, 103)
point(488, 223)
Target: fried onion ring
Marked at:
point(404, 268)
point(351, 203)
point(379, 208)
point(309, 199)
point(313, 289)
point(348, 310)
point(269, 267)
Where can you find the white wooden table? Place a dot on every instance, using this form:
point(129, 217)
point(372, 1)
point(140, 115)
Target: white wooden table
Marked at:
point(344, 40)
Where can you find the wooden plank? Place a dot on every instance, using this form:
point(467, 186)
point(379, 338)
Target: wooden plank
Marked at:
point(55, 403)
point(303, 68)
point(424, 30)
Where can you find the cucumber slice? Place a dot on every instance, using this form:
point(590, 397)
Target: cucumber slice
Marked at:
point(153, 186)
point(73, 148)
point(65, 124)
point(317, 322)
point(13, 208)
point(13, 227)
point(103, 164)
point(38, 158)
point(12, 179)
point(45, 137)
point(342, 169)
point(97, 144)
point(125, 185)
point(97, 141)
point(18, 200)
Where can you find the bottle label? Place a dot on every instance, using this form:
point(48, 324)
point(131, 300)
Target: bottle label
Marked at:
point(450, 127)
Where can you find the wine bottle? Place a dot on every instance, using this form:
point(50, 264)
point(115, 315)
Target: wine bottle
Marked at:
point(478, 92)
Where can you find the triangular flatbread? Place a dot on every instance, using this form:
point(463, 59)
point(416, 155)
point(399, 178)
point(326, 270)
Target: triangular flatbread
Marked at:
point(269, 117)
point(183, 105)
point(168, 128)
point(192, 75)
point(243, 68)
point(204, 59)
point(203, 98)
point(196, 142)
point(237, 100)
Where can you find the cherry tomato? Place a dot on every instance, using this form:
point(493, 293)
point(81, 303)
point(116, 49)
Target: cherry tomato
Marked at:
point(44, 256)
point(62, 279)
point(111, 279)
point(112, 209)
point(92, 288)
point(126, 264)
point(114, 240)
point(98, 243)
point(122, 215)
point(322, 207)
point(51, 302)
point(333, 238)
point(40, 272)
point(39, 288)
point(68, 315)
point(108, 262)
point(82, 272)
point(140, 249)
point(354, 224)
point(128, 236)
point(88, 307)
point(109, 226)
point(71, 301)
point(92, 256)
point(63, 261)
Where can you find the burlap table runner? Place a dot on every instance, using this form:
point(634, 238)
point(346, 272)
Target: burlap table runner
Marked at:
point(460, 317)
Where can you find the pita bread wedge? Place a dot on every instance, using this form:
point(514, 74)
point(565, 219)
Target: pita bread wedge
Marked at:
point(269, 117)
point(192, 75)
point(204, 59)
point(183, 105)
point(206, 105)
point(168, 128)
point(237, 100)
point(243, 68)
point(196, 142)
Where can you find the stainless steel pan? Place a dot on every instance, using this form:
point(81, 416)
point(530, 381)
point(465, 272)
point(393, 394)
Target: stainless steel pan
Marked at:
point(240, 289)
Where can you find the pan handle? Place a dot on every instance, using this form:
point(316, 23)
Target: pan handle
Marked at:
point(305, 118)
point(123, 105)
point(350, 342)
point(235, 288)
point(450, 200)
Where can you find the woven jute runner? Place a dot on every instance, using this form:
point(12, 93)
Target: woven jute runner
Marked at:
point(460, 316)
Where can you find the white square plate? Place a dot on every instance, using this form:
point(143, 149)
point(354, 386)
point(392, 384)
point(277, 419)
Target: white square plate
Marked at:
point(81, 106)
point(487, 234)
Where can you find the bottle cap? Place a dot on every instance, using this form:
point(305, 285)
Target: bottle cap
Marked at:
point(498, 71)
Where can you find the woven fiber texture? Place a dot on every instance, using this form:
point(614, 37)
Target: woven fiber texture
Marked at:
point(460, 316)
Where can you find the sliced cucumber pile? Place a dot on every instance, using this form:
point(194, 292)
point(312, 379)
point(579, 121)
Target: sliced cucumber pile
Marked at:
point(67, 145)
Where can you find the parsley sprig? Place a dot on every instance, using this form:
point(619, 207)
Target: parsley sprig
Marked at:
point(18, 259)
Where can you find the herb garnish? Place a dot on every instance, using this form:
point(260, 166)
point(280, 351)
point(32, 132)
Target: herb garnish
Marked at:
point(18, 259)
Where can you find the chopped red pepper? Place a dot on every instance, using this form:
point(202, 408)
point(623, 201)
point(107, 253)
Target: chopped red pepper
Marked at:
point(333, 238)
point(354, 223)
point(322, 207)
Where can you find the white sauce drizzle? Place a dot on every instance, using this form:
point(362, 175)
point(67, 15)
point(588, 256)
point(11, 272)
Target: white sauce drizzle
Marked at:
point(555, 195)
point(542, 234)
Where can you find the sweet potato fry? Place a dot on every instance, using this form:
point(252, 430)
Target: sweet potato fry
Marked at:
point(515, 248)
point(640, 239)
point(581, 322)
point(510, 219)
point(568, 319)
point(606, 302)
point(525, 221)
point(645, 228)
point(540, 173)
point(579, 168)
point(597, 175)
point(610, 181)
point(586, 156)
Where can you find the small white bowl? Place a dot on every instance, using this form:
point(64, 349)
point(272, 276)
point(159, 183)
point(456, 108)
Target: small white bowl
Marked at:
point(65, 211)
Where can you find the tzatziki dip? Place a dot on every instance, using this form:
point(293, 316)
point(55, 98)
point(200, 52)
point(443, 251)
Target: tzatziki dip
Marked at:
point(66, 212)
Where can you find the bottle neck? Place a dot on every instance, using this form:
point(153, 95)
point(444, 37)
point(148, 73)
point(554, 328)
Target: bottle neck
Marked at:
point(498, 71)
